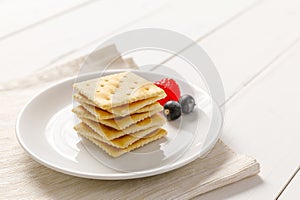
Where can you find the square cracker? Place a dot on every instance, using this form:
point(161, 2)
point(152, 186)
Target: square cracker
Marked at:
point(116, 152)
point(116, 123)
point(103, 114)
point(82, 99)
point(118, 89)
point(109, 133)
point(123, 110)
point(121, 142)
point(132, 107)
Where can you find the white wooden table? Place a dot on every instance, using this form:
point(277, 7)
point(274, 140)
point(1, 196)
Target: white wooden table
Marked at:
point(255, 45)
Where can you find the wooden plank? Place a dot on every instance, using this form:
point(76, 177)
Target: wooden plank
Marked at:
point(262, 121)
point(40, 46)
point(252, 41)
point(16, 15)
point(194, 19)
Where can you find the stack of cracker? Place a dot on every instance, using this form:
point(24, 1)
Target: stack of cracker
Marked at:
point(119, 112)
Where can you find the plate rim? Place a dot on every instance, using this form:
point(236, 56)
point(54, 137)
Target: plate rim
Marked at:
point(180, 162)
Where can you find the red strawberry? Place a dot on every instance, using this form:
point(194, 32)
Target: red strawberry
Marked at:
point(171, 88)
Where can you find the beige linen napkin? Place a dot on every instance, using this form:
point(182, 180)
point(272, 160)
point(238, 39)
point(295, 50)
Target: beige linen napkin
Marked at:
point(23, 178)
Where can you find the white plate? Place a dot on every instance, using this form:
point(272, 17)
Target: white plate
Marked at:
point(45, 130)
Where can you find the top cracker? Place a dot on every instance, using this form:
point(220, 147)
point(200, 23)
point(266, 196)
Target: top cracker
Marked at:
point(118, 89)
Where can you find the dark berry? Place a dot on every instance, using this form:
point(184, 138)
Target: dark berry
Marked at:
point(187, 103)
point(172, 110)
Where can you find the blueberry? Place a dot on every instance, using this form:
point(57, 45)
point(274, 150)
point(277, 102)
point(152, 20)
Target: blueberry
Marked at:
point(172, 110)
point(187, 103)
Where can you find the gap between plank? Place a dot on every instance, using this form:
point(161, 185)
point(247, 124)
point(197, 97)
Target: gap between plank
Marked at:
point(245, 10)
point(57, 59)
point(61, 13)
point(262, 70)
point(287, 183)
point(53, 61)
point(239, 14)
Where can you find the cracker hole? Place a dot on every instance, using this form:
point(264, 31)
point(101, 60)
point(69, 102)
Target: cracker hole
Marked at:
point(132, 88)
point(107, 98)
point(135, 82)
point(101, 85)
point(106, 80)
point(147, 89)
point(128, 94)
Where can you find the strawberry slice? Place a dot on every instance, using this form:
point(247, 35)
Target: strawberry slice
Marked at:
point(171, 88)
